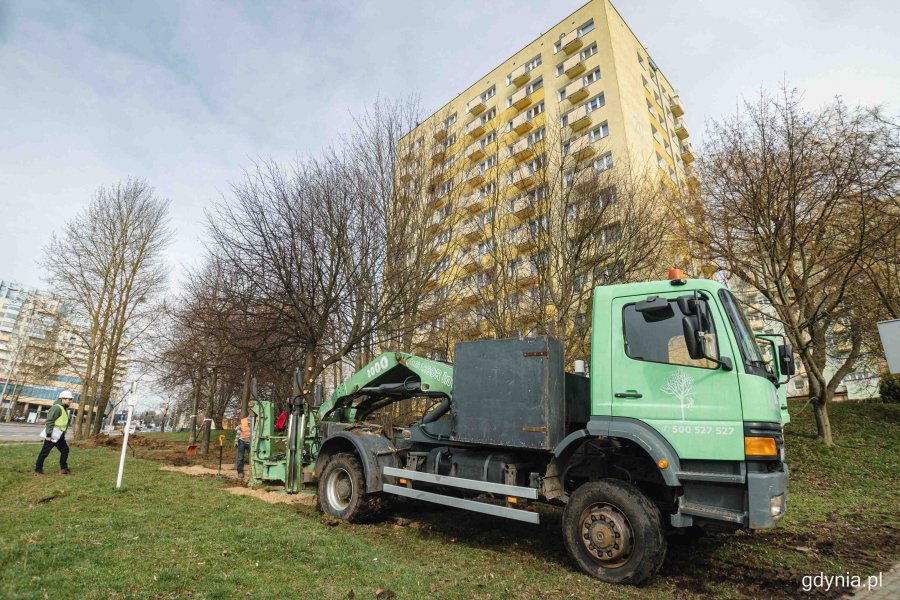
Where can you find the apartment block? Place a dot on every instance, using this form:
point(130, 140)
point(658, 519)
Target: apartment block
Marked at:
point(585, 91)
point(41, 352)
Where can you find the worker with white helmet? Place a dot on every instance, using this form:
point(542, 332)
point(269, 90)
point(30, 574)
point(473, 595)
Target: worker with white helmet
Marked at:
point(54, 434)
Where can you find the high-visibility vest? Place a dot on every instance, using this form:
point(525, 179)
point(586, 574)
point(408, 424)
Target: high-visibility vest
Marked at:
point(62, 421)
point(244, 431)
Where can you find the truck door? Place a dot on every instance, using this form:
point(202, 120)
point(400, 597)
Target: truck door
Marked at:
point(694, 404)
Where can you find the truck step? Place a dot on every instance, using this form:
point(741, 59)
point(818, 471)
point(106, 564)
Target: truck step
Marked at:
point(712, 512)
point(473, 505)
point(711, 477)
point(466, 484)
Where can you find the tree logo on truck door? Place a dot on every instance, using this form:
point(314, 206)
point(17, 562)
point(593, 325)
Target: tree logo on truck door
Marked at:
point(680, 385)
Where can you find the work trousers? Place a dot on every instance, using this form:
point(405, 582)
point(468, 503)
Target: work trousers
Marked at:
point(60, 445)
point(242, 448)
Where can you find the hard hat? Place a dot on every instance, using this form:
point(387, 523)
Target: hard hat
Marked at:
point(65, 395)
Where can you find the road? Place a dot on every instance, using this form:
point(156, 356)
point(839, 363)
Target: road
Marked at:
point(19, 432)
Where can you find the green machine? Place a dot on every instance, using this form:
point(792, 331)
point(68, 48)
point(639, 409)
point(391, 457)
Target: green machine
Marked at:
point(678, 426)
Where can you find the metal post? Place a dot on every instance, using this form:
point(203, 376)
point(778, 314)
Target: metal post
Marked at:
point(132, 401)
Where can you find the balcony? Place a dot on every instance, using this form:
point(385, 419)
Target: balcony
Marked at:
point(578, 118)
point(524, 273)
point(521, 99)
point(520, 75)
point(577, 90)
point(471, 230)
point(469, 262)
point(475, 128)
point(523, 177)
point(581, 148)
point(573, 66)
point(471, 203)
point(475, 106)
point(522, 239)
point(676, 107)
point(440, 131)
point(570, 42)
point(474, 152)
point(522, 124)
point(687, 152)
point(406, 173)
point(681, 129)
point(439, 152)
point(522, 207)
point(521, 150)
point(474, 177)
point(434, 224)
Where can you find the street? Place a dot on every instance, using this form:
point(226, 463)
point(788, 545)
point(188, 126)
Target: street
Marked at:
point(19, 432)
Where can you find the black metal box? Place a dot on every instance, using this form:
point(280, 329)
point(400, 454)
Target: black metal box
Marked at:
point(510, 392)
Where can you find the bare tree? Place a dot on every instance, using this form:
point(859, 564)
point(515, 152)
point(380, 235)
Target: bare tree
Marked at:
point(108, 266)
point(334, 248)
point(802, 206)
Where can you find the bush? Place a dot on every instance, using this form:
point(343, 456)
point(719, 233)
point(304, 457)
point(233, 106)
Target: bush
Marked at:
point(889, 388)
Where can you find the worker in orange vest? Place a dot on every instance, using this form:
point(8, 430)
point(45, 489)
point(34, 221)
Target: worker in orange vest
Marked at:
point(242, 440)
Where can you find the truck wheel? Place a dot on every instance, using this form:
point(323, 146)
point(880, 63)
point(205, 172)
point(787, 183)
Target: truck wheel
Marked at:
point(342, 491)
point(614, 532)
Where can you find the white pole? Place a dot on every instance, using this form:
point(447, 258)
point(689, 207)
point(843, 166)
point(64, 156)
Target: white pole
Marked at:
point(132, 401)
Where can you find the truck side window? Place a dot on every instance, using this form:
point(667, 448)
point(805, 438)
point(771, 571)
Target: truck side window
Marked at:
point(660, 338)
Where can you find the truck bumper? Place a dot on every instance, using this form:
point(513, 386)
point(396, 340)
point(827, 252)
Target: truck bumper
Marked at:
point(767, 497)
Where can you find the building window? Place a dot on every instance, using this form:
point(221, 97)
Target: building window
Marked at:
point(450, 120)
point(591, 77)
point(534, 111)
point(600, 131)
point(586, 28)
point(604, 162)
point(490, 114)
point(451, 139)
point(596, 102)
point(535, 85)
point(489, 94)
point(488, 139)
point(589, 51)
point(536, 136)
point(561, 94)
point(487, 163)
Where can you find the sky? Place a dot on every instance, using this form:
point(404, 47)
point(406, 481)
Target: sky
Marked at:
point(187, 94)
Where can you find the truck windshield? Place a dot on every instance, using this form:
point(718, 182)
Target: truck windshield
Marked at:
point(753, 360)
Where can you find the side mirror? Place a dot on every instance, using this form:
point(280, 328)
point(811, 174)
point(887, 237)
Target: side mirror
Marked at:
point(786, 364)
point(690, 325)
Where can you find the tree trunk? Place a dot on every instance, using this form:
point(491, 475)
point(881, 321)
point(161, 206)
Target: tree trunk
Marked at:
point(823, 423)
point(245, 394)
point(207, 422)
point(195, 404)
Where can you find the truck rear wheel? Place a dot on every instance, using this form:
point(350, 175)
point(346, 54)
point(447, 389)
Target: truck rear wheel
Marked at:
point(614, 532)
point(342, 491)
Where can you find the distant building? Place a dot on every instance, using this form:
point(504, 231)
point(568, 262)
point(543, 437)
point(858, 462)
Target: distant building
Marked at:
point(41, 352)
point(860, 384)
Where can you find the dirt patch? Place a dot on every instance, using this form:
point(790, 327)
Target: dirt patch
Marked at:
point(198, 470)
point(274, 497)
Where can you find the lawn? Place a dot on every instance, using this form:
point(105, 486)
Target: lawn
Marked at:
point(167, 535)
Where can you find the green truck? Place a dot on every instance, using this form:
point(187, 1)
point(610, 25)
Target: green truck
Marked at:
point(679, 426)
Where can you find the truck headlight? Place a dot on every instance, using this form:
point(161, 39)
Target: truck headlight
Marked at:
point(776, 505)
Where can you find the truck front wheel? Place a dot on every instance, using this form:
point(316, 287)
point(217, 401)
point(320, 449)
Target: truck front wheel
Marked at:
point(342, 491)
point(614, 532)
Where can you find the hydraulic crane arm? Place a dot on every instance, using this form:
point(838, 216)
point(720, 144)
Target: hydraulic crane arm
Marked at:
point(391, 376)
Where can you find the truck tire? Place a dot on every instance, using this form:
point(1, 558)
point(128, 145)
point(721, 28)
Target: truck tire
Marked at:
point(614, 532)
point(342, 491)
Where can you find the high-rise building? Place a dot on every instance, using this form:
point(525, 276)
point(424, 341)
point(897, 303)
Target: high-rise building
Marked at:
point(583, 95)
point(41, 352)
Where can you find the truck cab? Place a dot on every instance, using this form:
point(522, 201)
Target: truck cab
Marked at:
point(678, 425)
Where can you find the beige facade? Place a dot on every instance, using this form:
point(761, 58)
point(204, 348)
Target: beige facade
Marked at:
point(584, 92)
point(589, 70)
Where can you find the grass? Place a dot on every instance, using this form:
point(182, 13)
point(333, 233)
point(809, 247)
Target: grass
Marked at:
point(166, 535)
